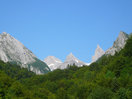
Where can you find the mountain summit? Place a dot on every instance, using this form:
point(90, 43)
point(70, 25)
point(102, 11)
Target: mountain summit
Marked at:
point(71, 57)
point(70, 60)
point(52, 62)
point(13, 51)
point(118, 44)
point(55, 63)
point(98, 53)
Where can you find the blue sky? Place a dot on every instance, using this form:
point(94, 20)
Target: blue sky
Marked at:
point(59, 27)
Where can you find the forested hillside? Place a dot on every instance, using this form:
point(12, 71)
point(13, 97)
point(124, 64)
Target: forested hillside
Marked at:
point(108, 78)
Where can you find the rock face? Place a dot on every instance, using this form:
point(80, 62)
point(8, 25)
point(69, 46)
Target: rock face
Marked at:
point(11, 50)
point(118, 44)
point(52, 62)
point(98, 53)
point(70, 60)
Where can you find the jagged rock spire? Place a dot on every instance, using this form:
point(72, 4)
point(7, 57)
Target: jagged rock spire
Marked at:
point(98, 53)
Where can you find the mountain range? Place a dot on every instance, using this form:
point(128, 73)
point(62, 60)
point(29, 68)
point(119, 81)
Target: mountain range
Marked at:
point(13, 51)
point(55, 63)
point(99, 52)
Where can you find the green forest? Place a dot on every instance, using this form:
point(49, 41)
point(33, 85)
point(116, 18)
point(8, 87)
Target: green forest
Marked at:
point(108, 78)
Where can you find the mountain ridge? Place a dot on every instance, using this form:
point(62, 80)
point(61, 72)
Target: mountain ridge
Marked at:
point(70, 60)
point(13, 51)
point(118, 44)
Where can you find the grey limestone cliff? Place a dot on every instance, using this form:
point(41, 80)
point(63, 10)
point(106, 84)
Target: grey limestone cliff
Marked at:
point(98, 53)
point(118, 44)
point(13, 51)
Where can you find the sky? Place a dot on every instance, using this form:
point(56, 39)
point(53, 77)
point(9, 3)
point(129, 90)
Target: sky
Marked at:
point(59, 27)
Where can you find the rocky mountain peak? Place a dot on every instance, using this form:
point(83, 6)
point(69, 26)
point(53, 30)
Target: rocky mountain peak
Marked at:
point(121, 40)
point(52, 59)
point(70, 57)
point(122, 33)
point(52, 62)
point(98, 47)
point(4, 33)
point(118, 44)
point(13, 51)
point(98, 53)
point(70, 60)
point(55, 63)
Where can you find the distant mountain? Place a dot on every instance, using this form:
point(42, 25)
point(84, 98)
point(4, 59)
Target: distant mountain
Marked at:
point(70, 60)
point(52, 62)
point(11, 50)
point(118, 44)
point(98, 53)
point(55, 63)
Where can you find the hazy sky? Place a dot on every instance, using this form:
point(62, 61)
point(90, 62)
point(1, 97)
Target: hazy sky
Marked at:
point(59, 27)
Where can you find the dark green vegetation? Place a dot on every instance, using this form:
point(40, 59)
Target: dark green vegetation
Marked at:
point(43, 67)
point(108, 78)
